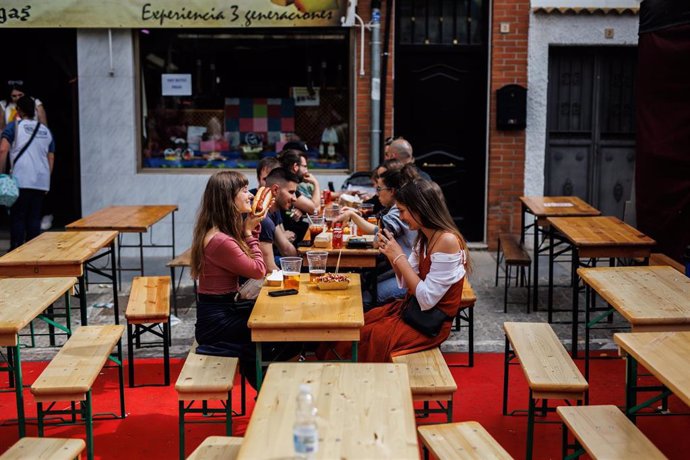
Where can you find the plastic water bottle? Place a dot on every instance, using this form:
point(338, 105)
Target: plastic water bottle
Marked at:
point(304, 432)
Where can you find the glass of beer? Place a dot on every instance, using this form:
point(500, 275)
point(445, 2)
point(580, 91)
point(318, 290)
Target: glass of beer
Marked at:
point(315, 227)
point(291, 267)
point(317, 264)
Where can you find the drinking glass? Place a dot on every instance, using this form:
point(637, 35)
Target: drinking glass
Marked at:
point(330, 213)
point(291, 267)
point(317, 264)
point(315, 227)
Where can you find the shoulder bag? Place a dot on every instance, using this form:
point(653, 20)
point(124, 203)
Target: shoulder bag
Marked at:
point(428, 322)
point(9, 188)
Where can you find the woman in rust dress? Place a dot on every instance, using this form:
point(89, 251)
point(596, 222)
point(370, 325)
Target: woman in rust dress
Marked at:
point(433, 273)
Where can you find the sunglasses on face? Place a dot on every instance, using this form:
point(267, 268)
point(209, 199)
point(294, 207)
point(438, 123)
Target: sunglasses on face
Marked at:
point(378, 189)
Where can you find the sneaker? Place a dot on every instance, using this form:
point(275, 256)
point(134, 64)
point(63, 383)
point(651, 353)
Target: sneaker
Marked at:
point(47, 222)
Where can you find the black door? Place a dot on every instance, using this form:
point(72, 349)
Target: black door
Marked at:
point(440, 99)
point(46, 61)
point(591, 125)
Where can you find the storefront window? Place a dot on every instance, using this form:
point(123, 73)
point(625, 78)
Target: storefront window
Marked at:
point(217, 99)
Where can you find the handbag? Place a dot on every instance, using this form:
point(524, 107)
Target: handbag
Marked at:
point(9, 188)
point(428, 322)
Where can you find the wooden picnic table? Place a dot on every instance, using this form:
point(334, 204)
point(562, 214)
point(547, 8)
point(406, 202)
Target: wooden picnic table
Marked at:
point(364, 409)
point(543, 207)
point(129, 219)
point(312, 315)
point(21, 301)
point(650, 298)
point(666, 355)
point(349, 258)
point(56, 254)
point(593, 238)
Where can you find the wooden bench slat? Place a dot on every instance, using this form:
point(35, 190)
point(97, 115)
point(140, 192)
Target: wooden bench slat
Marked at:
point(44, 449)
point(149, 299)
point(658, 258)
point(513, 252)
point(217, 448)
point(206, 374)
point(469, 298)
point(79, 361)
point(183, 260)
point(428, 371)
point(22, 299)
point(462, 441)
point(546, 364)
point(606, 433)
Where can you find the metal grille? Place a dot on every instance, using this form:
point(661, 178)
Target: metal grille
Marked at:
point(441, 22)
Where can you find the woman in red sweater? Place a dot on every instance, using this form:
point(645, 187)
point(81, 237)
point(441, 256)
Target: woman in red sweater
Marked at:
point(225, 247)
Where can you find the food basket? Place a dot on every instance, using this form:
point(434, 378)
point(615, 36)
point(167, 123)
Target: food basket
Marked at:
point(333, 282)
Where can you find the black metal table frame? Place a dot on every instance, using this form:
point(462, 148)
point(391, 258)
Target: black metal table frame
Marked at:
point(141, 246)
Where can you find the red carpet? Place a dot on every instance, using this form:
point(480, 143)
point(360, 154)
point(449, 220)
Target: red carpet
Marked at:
point(150, 430)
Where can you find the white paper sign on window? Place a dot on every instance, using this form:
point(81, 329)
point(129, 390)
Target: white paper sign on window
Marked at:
point(303, 98)
point(176, 84)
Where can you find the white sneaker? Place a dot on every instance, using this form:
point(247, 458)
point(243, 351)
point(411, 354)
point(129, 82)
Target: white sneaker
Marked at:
point(47, 222)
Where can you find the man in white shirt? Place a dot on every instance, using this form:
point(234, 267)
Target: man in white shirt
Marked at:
point(31, 150)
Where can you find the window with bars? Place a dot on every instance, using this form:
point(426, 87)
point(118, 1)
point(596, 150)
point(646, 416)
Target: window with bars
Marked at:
point(441, 22)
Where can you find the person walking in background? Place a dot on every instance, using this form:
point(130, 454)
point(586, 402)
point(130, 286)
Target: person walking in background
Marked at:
point(8, 106)
point(31, 151)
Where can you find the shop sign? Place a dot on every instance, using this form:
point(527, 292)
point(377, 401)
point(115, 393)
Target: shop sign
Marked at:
point(176, 84)
point(133, 14)
point(305, 98)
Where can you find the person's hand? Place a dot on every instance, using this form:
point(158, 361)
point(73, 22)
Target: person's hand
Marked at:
point(349, 209)
point(388, 246)
point(296, 214)
point(290, 235)
point(344, 216)
point(251, 223)
point(310, 179)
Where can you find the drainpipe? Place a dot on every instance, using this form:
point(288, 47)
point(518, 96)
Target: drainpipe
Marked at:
point(375, 141)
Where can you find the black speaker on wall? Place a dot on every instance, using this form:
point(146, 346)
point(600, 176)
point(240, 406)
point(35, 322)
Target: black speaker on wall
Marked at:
point(511, 108)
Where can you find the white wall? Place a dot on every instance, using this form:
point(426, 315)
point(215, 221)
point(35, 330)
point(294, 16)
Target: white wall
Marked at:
point(557, 29)
point(108, 145)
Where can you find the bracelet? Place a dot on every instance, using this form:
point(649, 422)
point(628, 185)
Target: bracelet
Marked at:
point(396, 258)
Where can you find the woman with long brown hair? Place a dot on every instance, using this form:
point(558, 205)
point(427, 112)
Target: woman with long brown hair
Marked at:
point(433, 274)
point(225, 247)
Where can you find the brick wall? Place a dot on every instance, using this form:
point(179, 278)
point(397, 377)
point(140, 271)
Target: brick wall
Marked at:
point(363, 88)
point(506, 148)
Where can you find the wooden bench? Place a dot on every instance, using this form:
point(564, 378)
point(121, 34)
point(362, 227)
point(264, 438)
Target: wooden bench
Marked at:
point(604, 432)
point(149, 307)
point(217, 448)
point(658, 258)
point(45, 449)
point(182, 261)
point(466, 314)
point(549, 370)
point(430, 380)
point(460, 441)
point(206, 378)
point(71, 373)
point(513, 254)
